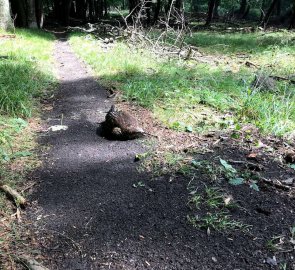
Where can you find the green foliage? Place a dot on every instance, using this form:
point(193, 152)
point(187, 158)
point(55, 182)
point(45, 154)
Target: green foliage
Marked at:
point(259, 44)
point(233, 176)
point(12, 127)
point(24, 71)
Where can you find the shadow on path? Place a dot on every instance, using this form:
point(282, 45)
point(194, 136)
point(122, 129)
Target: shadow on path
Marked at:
point(89, 214)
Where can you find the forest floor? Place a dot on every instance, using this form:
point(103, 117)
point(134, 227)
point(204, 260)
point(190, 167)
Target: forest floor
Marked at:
point(95, 207)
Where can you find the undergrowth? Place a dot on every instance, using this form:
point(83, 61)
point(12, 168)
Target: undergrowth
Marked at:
point(197, 97)
point(25, 75)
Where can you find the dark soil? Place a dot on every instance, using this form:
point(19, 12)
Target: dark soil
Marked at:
point(95, 210)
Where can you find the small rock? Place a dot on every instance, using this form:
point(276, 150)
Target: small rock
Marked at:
point(288, 181)
point(272, 261)
point(58, 127)
point(214, 259)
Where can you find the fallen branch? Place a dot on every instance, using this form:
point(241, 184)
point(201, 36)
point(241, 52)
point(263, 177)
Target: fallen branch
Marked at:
point(19, 199)
point(275, 77)
point(279, 78)
point(249, 64)
point(276, 185)
point(7, 36)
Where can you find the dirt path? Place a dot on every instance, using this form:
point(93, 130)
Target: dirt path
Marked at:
point(91, 213)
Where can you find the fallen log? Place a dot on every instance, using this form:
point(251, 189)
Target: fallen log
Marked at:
point(19, 199)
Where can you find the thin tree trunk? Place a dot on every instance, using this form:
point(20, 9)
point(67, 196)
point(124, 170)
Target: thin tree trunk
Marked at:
point(148, 7)
point(105, 5)
point(243, 6)
point(91, 10)
point(5, 18)
point(269, 12)
point(81, 7)
point(19, 10)
point(279, 8)
point(100, 8)
point(263, 8)
point(66, 12)
point(32, 20)
point(211, 5)
point(244, 16)
point(58, 10)
point(178, 5)
point(157, 8)
point(133, 8)
point(292, 22)
point(216, 6)
point(39, 13)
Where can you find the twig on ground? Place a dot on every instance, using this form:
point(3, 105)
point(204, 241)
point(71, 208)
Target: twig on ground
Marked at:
point(19, 199)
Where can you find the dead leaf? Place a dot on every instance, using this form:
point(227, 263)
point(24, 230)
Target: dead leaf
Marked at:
point(252, 156)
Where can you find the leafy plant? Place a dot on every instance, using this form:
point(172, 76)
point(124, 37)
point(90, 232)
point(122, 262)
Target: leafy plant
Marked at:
point(233, 176)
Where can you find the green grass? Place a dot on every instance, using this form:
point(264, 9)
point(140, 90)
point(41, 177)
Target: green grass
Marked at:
point(250, 43)
point(25, 72)
point(188, 95)
point(212, 210)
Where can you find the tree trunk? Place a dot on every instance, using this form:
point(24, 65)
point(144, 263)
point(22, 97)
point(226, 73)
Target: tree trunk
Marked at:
point(81, 7)
point(244, 16)
point(58, 8)
point(216, 6)
point(5, 18)
point(269, 12)
point(157, 7)
point(292, 22)
point(73, 10)
point(133, 8)
point(39, 13)
point(211, 5)
point(66, 12)
point(19, 10)
point(148, 7)
point(262, 10)
point(279, 8)
point(244, 9)
point(91, 10)
point(32, 21)
point(178, 5)
point(100, 8)
point(105, 5)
